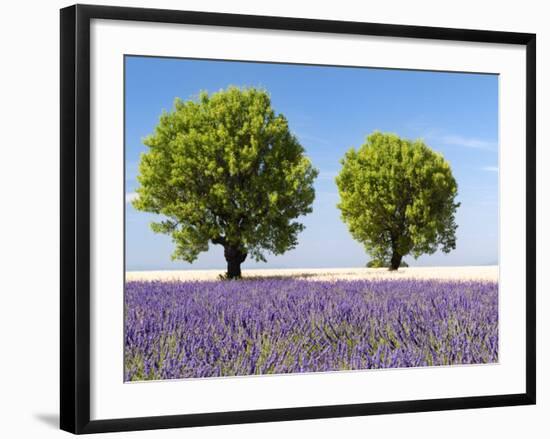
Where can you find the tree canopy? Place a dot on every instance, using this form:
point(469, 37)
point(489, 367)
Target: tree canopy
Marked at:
point(225, 169)
point(397, 198)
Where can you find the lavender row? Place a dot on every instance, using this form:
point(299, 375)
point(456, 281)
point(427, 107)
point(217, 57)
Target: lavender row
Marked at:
point(227, 328)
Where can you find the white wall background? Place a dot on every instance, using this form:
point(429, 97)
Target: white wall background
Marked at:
point(29, 206)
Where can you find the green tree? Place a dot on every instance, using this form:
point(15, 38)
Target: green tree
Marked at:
point(225, 169)
point(397, 197)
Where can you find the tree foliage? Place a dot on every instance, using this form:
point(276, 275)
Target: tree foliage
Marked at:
point(397, 197)
point(225, 169)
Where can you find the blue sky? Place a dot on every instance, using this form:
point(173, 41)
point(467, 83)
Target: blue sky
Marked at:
point(331, 109)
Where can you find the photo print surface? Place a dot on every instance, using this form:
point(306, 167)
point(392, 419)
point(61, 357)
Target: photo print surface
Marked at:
point(287, 218)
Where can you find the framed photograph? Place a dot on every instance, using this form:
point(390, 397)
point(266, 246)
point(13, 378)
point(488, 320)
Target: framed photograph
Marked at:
point(268, 218)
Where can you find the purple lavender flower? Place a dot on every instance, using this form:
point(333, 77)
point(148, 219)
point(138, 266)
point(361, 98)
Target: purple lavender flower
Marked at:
point(225, 328)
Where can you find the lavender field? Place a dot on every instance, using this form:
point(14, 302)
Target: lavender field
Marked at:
point(197, 329)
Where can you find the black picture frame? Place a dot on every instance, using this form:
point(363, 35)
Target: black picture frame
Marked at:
point(75, 217)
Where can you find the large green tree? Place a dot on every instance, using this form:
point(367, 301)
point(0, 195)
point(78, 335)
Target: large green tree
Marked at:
point(225, 169)
point(397, 198)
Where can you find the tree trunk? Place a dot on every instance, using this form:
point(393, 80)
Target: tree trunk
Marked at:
point(395, 261)
point(234, 257)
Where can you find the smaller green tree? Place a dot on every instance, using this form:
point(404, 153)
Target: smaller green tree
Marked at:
point(397, 198)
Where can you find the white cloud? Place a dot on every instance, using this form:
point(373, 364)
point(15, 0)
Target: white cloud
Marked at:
point(468, 142)
point(131, 196)
point(435, 135)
